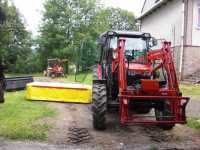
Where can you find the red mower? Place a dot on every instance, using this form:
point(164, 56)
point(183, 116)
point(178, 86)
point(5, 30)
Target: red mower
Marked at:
point(139, 81)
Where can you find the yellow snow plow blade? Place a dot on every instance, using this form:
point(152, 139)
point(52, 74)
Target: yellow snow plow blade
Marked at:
point(59, 92)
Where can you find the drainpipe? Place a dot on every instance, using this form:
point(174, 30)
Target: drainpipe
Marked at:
point(182, 41)
point(138, 25)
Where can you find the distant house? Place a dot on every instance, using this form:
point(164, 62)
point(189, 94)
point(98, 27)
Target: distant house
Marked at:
point(177, 21)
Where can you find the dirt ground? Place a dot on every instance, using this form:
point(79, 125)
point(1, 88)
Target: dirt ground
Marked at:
point(72, 129)
point(117, 136)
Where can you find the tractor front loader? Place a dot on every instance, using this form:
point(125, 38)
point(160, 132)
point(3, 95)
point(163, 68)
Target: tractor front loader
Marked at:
point(140, 82)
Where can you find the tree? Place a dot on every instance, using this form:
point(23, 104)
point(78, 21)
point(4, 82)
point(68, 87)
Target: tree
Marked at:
point(71, 28)
point(117, 19)
point(15, 41)
point(65, 27)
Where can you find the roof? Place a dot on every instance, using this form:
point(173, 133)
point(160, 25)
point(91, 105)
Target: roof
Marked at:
point(153, 8)
point(125, 33)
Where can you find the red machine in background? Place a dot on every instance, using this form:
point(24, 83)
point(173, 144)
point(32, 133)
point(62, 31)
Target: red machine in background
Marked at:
point(55, 68)
point(137, 80)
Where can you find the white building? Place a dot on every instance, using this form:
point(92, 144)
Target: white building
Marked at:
point(177, 21)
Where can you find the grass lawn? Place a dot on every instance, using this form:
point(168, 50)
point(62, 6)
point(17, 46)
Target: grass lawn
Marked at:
point(193, 123)
point(19, 118)
point(190, 90)
point(85, 78)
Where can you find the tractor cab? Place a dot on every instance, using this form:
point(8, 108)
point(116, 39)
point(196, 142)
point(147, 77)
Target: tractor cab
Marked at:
point(136, 42)
point(136, 46)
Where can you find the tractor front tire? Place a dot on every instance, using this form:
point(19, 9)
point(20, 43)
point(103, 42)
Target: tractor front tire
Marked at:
point(99, 106)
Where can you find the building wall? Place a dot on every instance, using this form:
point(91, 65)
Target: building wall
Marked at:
point(196, 29)
point(192, 40)
point(188, 21)
point(191, 60)
point(176, 57)
point(165, 23)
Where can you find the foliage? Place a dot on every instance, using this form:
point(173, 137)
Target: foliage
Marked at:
point(15, 41)
point(118, 19)
point(71, 28)
point(20, 118)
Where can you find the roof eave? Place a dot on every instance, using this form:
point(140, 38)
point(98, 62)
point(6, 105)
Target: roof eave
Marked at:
point(152, 9)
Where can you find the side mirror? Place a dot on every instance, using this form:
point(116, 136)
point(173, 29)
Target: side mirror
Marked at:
point(153, 42)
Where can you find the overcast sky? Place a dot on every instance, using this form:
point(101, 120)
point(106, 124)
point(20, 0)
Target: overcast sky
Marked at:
point(32, 10)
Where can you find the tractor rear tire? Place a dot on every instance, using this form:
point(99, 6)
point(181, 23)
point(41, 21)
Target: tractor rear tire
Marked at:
point(99, 106)
point(160, 113)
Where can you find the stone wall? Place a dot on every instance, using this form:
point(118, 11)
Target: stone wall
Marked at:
point(191, 60)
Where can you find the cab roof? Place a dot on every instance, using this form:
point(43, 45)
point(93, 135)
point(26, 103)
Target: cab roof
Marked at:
point(126, 34)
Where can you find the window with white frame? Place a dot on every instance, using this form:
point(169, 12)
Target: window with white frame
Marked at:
point(198, 16)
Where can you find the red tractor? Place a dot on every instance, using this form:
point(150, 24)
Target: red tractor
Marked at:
point(137, 80)
point(55, 68)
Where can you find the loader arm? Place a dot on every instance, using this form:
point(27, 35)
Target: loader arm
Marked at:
point(165, 56)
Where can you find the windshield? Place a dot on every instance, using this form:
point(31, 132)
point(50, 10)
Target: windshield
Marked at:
point(135, 48)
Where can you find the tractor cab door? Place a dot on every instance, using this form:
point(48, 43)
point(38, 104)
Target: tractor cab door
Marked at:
point(106, 58)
